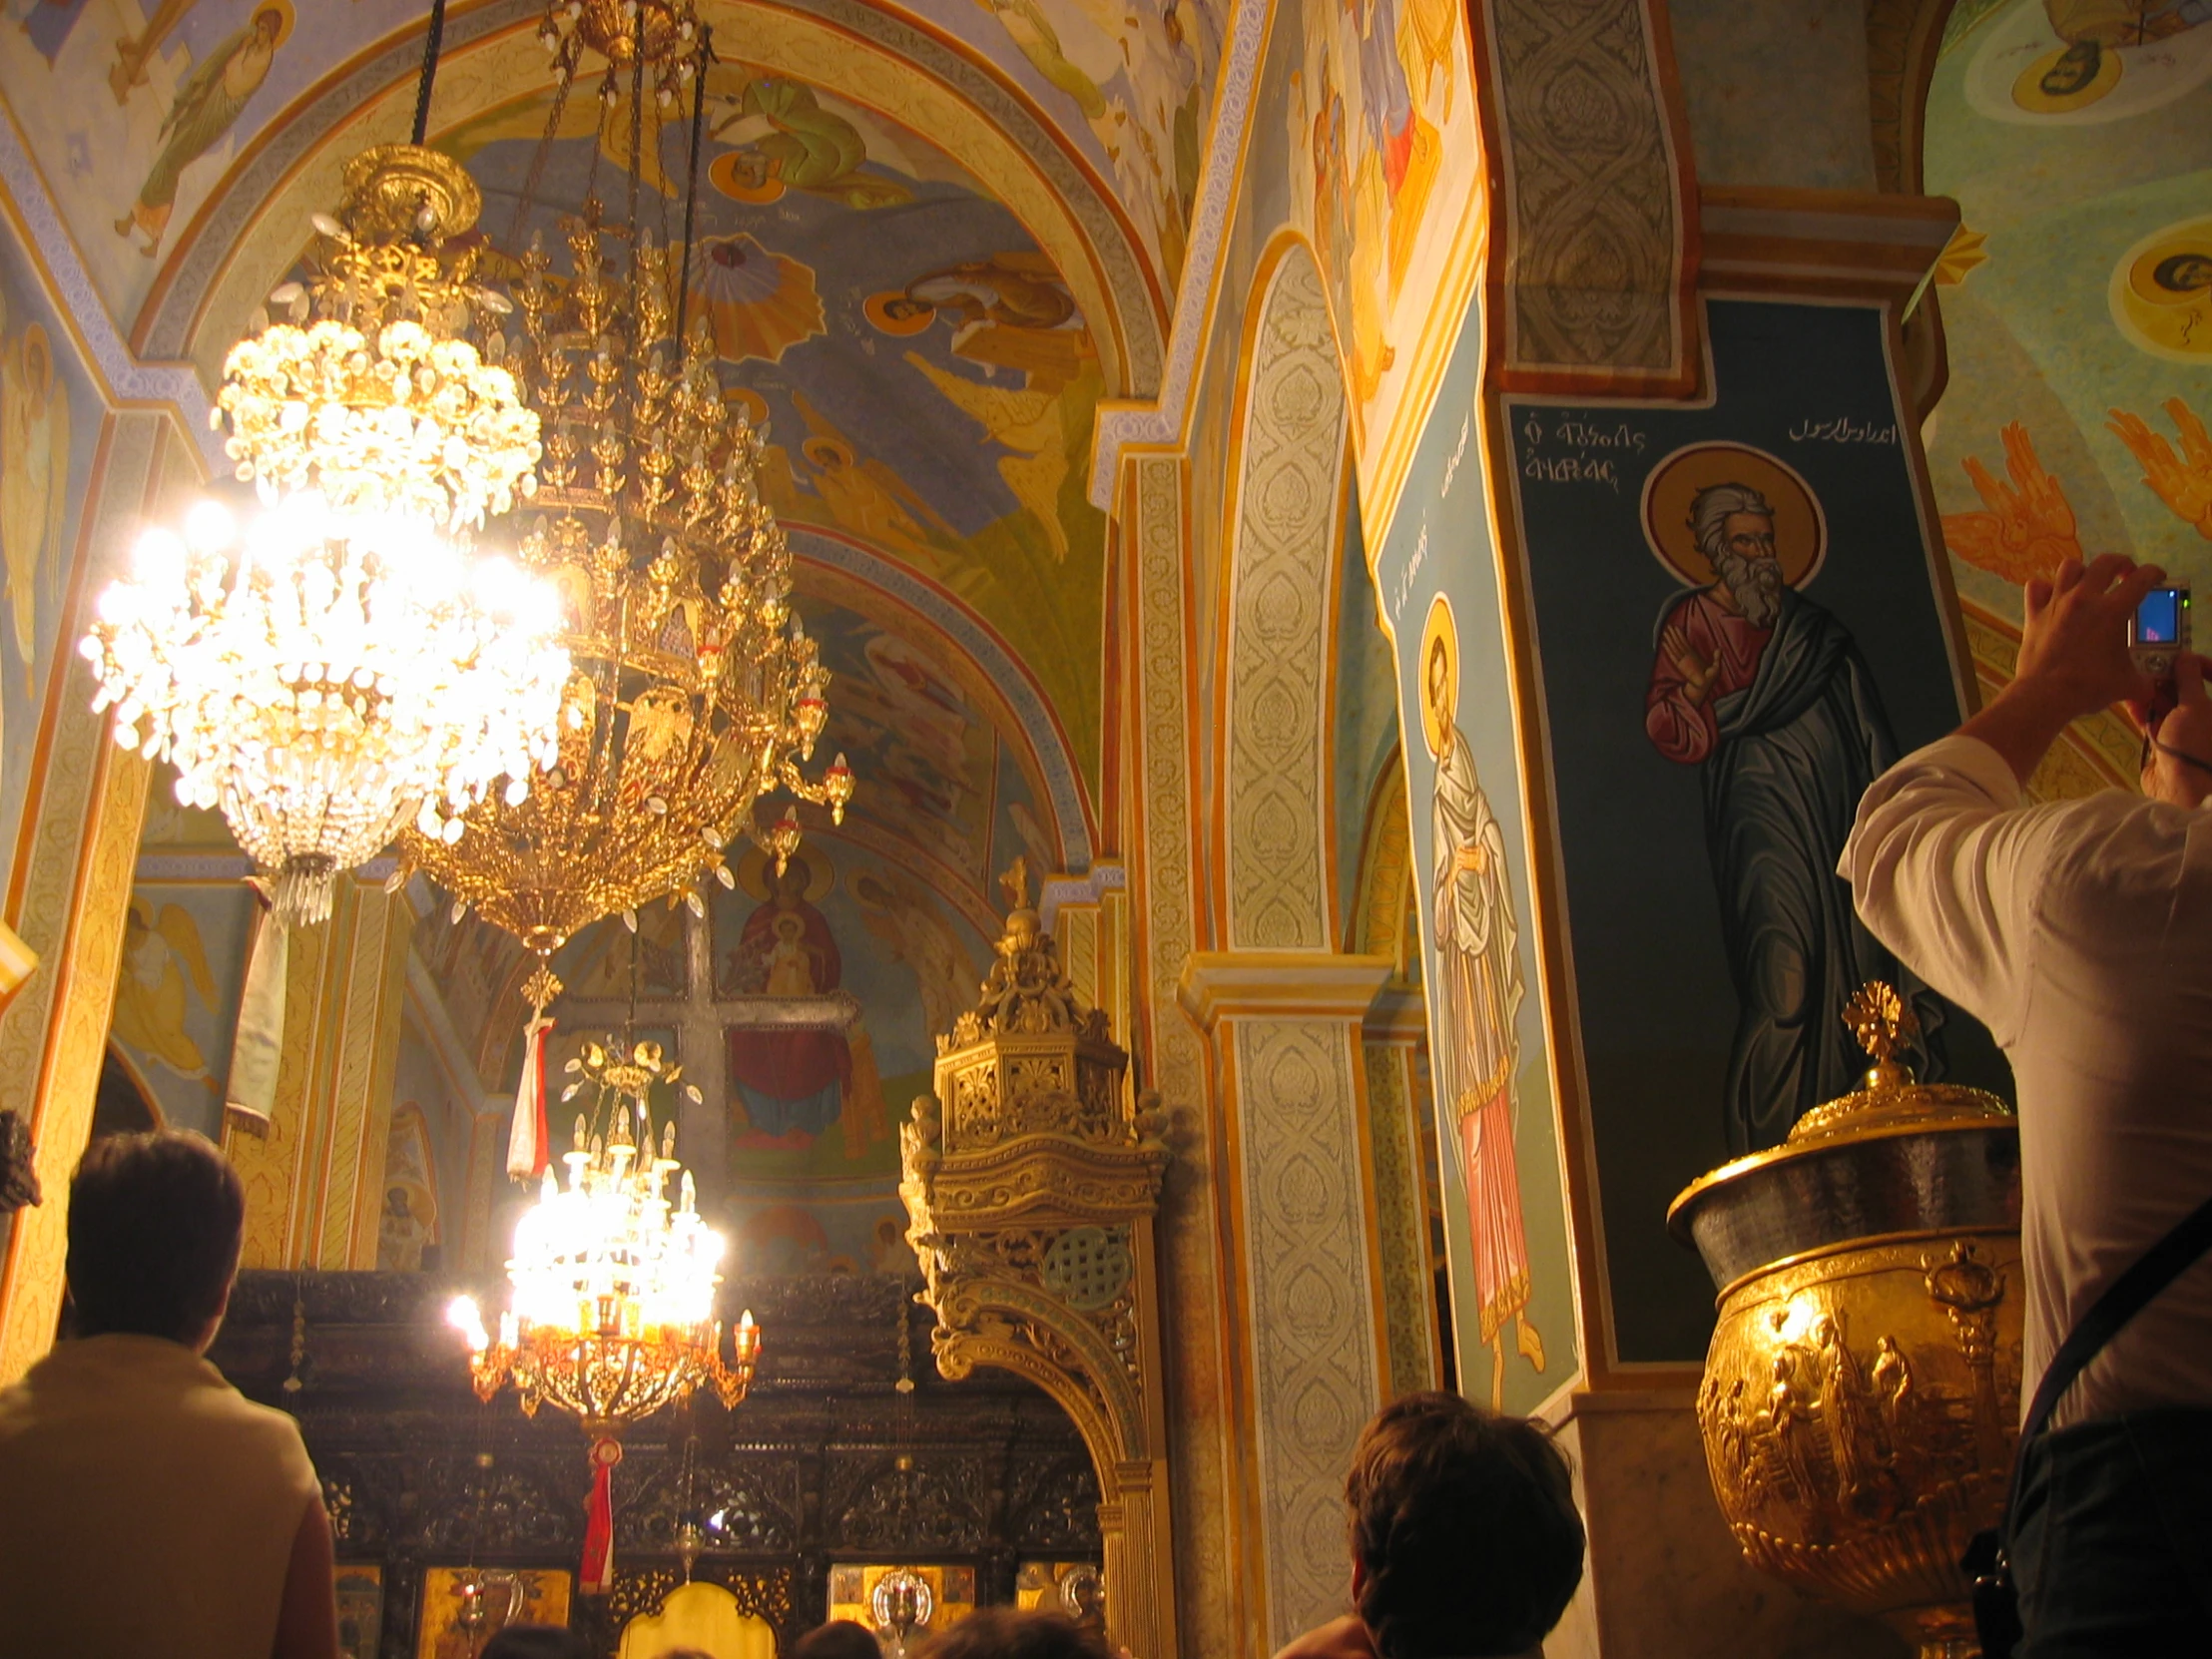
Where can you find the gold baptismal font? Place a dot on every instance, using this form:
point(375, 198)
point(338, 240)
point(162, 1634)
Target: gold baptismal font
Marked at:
point(1861, 1398)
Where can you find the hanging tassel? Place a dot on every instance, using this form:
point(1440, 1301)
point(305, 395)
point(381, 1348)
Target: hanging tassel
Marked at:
point(527, 1149)
point(598, 1575)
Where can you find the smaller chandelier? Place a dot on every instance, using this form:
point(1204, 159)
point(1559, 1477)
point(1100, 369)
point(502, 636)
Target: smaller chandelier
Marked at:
point(380, 402)
point(326, 678)
point(611, 1314)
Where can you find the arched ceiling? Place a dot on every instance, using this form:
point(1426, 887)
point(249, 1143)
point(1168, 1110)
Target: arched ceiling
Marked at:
point(934, 237)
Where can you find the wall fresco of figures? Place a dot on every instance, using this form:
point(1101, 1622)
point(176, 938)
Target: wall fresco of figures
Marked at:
point(1384, 151)
point(177, 994)
point(1740, 627)
point(2076, 303)
point(1497, 1130)
point(1363, 143)
point(49, 416)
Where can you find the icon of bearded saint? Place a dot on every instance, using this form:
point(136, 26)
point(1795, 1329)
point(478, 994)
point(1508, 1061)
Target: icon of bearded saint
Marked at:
point(1766, 691)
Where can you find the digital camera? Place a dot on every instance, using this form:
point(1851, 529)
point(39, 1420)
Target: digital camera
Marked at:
point(2159, 630)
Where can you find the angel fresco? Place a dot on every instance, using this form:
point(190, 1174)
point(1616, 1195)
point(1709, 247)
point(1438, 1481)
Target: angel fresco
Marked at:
point(34, 478)
point(1139, 72)
point(2025, 528)
point(782, 138)
point(2182, 481)
point(165, 967)
point(207, 105)
point(899, 912)
point(1032, 424)
point(867, 498)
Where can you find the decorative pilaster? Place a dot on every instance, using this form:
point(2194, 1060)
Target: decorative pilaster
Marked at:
point(1031, 1180)
point(1287, 1030)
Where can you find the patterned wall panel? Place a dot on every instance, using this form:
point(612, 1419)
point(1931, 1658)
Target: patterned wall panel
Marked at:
point(1315, 1372)
point(1283, 559)
point(1402, 1214)
point(1594, 219)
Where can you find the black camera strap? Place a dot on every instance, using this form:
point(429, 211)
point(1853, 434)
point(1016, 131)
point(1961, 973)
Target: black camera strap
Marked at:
point(1997, 1611)
point(2127, 1296)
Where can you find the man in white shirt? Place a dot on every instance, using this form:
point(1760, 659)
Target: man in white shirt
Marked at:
point(2081, 933)
point(146, 1507)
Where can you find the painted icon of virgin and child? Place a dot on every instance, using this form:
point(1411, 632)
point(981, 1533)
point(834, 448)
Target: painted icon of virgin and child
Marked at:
point(795, 1081)
point(1765, 692)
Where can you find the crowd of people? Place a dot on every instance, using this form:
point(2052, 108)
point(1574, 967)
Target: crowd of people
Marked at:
point(1464, 1538)
point(2079, 932)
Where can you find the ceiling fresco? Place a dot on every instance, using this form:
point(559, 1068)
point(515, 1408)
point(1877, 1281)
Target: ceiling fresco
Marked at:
point(135, 113)
point(2077, 295)
point(926, 380)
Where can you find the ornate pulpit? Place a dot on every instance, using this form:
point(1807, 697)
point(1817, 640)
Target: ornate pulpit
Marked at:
point(1031, 1180)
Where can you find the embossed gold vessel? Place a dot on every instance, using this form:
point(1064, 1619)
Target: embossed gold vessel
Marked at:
point(1861, 1392)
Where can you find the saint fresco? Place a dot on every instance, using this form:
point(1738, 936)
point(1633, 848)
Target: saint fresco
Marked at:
point(1765, 692)
point(1474, 1047)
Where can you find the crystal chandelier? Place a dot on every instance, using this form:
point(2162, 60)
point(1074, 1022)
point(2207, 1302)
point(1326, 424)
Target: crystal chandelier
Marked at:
point(695, 690)
point(324, 678)
point(336, 670)
point(380, 401)
point(611, 1311)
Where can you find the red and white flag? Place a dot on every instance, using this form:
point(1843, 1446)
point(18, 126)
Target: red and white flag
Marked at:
point(527, 1152)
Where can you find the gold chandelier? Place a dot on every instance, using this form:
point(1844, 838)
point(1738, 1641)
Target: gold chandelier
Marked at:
point(695, 690)
point(382, 402)
point(610, 1315)
point(610, 1312)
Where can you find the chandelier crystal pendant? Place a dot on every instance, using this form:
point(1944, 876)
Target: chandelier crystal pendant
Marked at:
point(322, 678)
point(695, 690)
point(610, 1308)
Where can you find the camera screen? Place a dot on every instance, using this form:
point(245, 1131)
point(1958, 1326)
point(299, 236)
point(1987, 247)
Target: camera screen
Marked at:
point(2158, 617)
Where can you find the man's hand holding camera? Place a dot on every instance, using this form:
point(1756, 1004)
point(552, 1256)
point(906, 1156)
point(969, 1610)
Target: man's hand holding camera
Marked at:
point(2074, 661)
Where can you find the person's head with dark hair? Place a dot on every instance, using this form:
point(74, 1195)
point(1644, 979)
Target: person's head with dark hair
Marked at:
point(155, 1223)
point(536, 1641)
point(1004, 1633)
point(839, 1639)
point(1466, 1542)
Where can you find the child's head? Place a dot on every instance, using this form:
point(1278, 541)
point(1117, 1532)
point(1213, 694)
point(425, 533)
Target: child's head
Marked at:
point(1465, 1536)
point(789, 927)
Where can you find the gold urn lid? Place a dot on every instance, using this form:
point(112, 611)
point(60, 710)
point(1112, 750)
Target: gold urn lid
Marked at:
point(1844, 1169)
point(1889, 1100)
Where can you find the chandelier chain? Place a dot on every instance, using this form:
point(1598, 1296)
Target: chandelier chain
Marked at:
point(432, 44)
